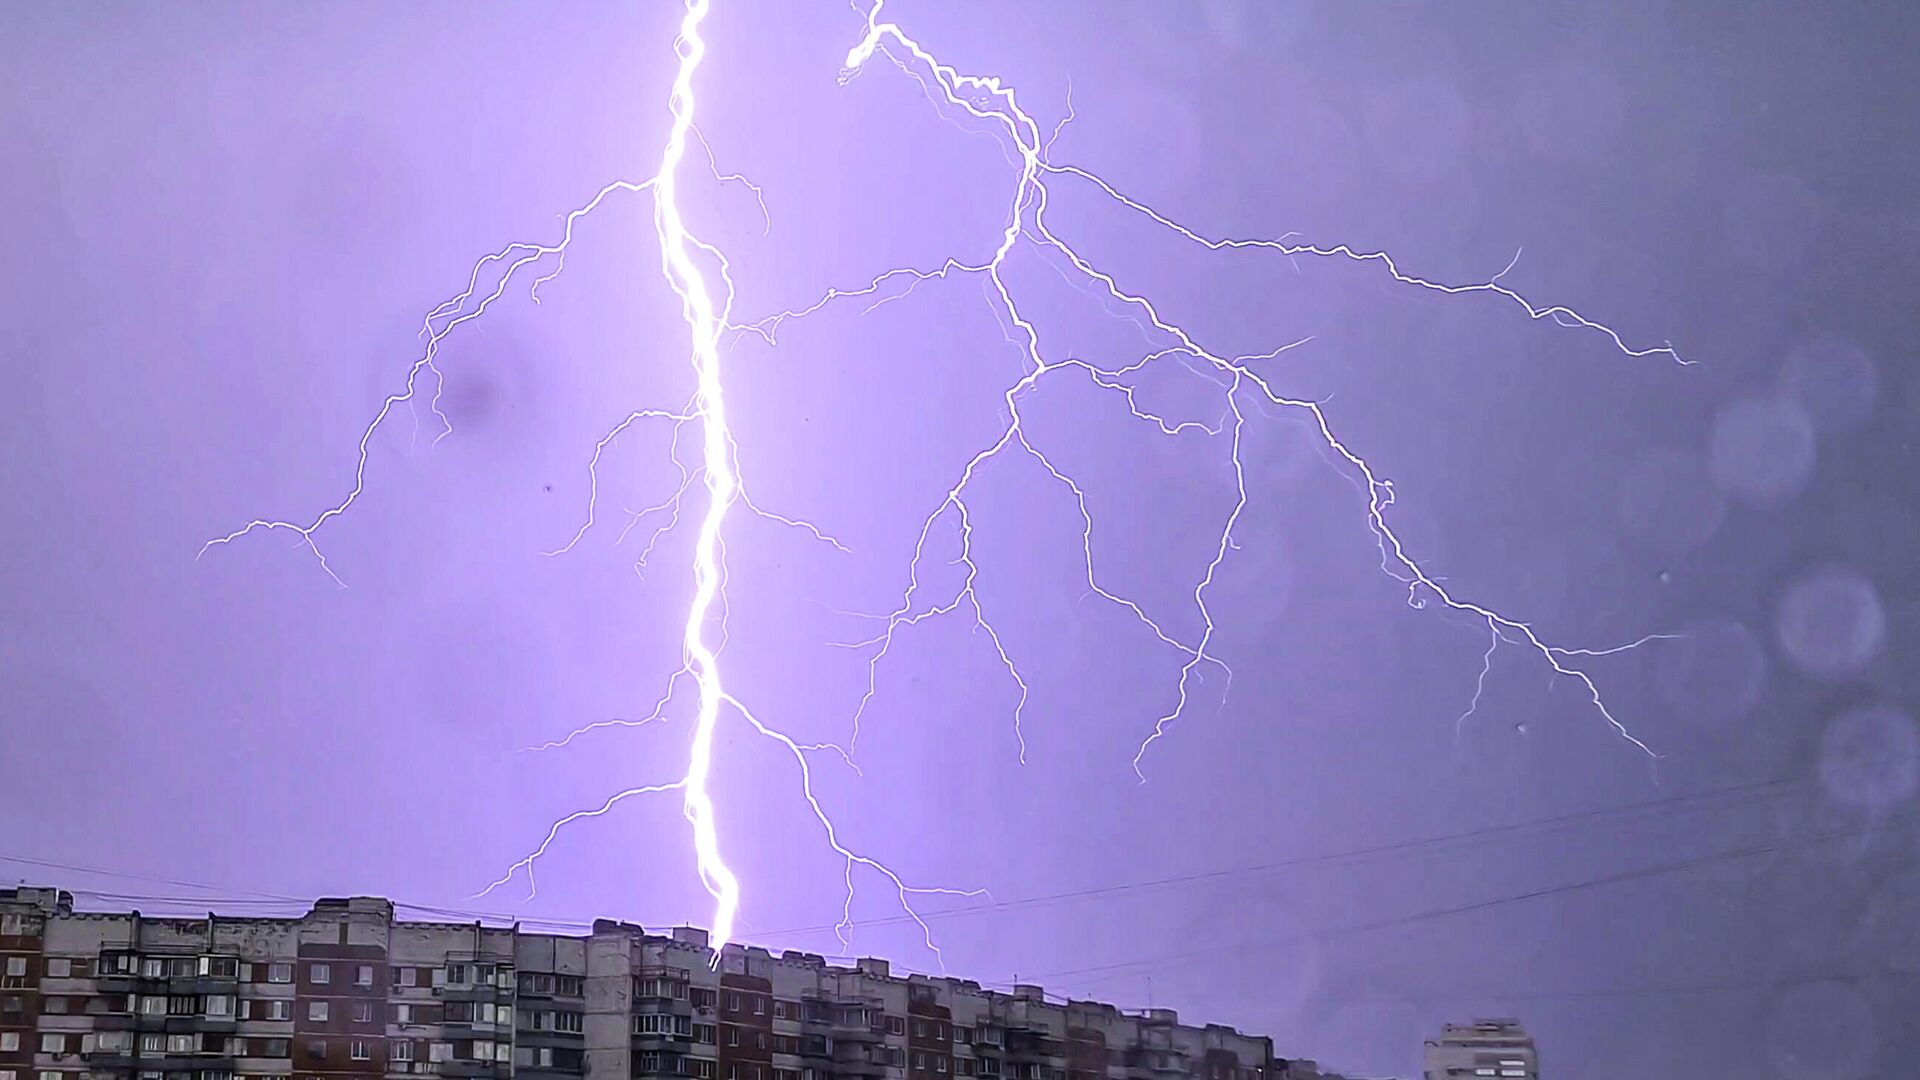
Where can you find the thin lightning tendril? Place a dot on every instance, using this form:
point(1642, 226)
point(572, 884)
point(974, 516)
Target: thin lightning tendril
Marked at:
point(692, 267)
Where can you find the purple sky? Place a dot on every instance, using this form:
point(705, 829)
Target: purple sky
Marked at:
point(226, 222)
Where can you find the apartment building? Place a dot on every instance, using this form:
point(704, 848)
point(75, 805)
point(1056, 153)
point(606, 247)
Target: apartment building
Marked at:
point(1485, 1048)
point(346, 992)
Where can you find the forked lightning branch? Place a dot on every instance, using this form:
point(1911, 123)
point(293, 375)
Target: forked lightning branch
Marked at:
point(712, 475)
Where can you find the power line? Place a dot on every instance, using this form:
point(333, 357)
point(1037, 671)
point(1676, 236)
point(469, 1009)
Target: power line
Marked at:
point(1767, 789)
point(1735, 855)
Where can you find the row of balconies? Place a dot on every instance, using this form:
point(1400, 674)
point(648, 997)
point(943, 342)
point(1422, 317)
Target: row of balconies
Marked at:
point(185, 984)
point(217, 1025)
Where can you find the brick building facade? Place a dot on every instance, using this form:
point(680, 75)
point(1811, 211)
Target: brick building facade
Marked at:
point(346, 992)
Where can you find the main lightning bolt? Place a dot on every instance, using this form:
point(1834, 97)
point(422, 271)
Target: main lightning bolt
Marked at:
point(677, 247)
point(700, 275)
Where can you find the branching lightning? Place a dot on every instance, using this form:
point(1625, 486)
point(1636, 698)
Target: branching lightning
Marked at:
point(701, 277)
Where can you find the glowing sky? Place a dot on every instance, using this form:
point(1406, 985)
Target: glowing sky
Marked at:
point(230, 222)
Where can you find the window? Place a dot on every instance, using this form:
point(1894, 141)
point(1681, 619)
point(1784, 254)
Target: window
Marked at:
point(363, 975)
point(235, 1046)
point(700, 1068)
point(896, 1025)
point(704, 1033)
point(153, 967)
point(153, 1043)
point(940, 1063)
point(568, 1021)
point(482, 1050)
point(456, 974)
point(357, 1050)
point(704, 998)
point(400, 1050)
point(317, 1048)
point(1485, 1071)
point(733, 1001)
point(53, 1044)
point(782, 1010)
point(406, 976)
point(963, 1067)
point(759, 1005)
point(16, 966)
point(9, 1041)
point(279, 1010)
point(218, 1005)
point(278, 1048)
point(733, 1035)
point(483, 973)
point(280, 973)
point(183, 1044)
point(50, 1074)
point(919, 1060)
point(532, 982)
point(962, 1034)
point(568, 985)
point(363, 1012)
point(220, 967)
point(661, 1024)
point(183, 1005)
point(403, 1013)
point(55, 1004)
point(316, 1010)
point(440, 1051)
point(319, 973)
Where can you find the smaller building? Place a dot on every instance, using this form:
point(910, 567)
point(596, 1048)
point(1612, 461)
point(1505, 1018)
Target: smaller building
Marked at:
point(1485, 1048)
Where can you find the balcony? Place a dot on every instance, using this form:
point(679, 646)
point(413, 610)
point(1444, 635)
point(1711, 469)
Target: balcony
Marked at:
point(473, 992)
point(667, 1005)
point(488, 1069)
point(664, 1040)
point(857, 1031)
point(859, 1066)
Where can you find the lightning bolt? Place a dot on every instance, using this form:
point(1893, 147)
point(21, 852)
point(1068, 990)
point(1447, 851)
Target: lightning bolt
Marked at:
point(988, 99)
point(701, 277)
